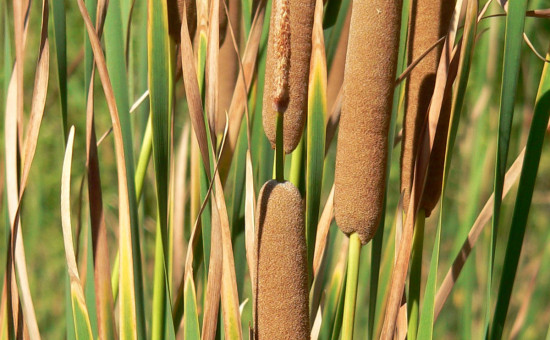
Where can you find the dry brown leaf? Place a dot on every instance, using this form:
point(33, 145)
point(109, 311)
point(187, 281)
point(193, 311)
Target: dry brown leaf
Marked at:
point(14, 123)
point(192, 92)
point(322, 232)
point(102, 272)
point(239, 100)
point(125, 245)
point(212, 66)
point(333, 119)
point(249, 226)
point(179, 205)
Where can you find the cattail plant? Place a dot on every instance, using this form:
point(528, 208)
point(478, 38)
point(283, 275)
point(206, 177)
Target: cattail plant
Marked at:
point(429, 21)
point(287, 69)
point(360, 173)
point(204, 238)
point(282, 283)
point(282, 290)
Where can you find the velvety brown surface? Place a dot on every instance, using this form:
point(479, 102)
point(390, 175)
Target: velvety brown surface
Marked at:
point(430, 20)
point(282, 283)
point(175, 12)
point(229, 64)
point(301, 23)
point(366, 110)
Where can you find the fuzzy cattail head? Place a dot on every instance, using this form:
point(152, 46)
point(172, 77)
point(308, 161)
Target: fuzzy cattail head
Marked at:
point(361, 157)
point(430, 20)
point(286, 73)
point(281, 50)
point(282, 281)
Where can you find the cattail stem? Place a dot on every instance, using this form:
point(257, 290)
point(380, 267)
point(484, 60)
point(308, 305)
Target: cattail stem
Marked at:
point(416, 274)
point(279, 151)
point(297, 164)
point(351, 286)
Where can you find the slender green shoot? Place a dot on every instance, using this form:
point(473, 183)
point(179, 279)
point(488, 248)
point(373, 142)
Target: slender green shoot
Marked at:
point(351, 286)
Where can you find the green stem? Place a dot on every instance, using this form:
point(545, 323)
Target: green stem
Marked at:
point(144, 157)
point(279, 150)
point(296, 165)
point(143, 162)
point(351, 286)
point(159, 291)
point(416, 274)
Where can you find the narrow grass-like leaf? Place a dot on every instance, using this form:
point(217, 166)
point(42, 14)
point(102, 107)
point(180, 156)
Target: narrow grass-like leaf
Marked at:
point(230, 297)
point(127, 291)
point(102, 275)
point(83, 329)
point(339, 313)
point(425, 329)
point(15, 194)
point(197, 119)
point(403, 255)
point(160, 99)
point(191, 320)
point(523, 202)
point(11, 154)
point(376, 249)
point(512, 52)
point(333, 294)
point(316, 112)
point(244, 81)
point(322, 232)
point(211, 70)
point(250, 227)
point(116, 65)
point(145, 153)
point(179, 206)
point(332, 34)
point(60, 42)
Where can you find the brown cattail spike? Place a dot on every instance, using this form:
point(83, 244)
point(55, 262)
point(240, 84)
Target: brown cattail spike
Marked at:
point(282, 282)
point(286, 72)
point(361, 157)
point(281, 50)
point(430, 20)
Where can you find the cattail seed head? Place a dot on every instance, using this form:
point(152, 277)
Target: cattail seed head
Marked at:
point(286, 73)
point(362, 149)
point(281, 50)
point(430, 20)
point(282, 279)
